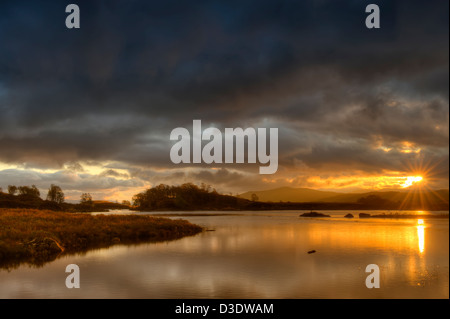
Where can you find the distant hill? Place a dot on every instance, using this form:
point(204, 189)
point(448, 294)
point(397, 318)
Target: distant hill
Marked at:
point(290, 194)
point(395, 196)
point(403, 198)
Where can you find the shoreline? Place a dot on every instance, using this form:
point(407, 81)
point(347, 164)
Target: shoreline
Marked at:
point(373, 213)
point(36, 237)
point(256, 209)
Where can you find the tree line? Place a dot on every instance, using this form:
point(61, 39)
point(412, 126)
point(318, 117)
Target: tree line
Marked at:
point(54, 194)
point(30, 197)
point(187, 196)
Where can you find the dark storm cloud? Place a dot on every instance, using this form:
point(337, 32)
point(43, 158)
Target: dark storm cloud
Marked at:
point(115, 88)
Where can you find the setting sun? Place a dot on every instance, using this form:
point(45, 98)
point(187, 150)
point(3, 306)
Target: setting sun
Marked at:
point(410, 180)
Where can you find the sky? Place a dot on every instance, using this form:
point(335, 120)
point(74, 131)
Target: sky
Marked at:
point(91, 109)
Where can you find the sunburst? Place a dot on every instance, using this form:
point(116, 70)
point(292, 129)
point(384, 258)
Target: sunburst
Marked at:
point(412, 180)
point(422, 175)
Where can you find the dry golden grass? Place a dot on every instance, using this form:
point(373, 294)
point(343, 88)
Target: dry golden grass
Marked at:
point(39, 236)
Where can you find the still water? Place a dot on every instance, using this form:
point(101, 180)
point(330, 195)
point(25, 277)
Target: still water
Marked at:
point(258, 255)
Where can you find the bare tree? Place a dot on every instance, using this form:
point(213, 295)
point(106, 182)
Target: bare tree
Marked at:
point(86, 198)
point(12, 190)
point(55, 194)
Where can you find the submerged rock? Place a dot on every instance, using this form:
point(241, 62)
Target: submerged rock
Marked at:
point(364, 215)
point(314, 214)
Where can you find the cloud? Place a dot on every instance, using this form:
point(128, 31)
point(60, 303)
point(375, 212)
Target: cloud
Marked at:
point(113, 173)
point(112, 91)
point(73, 183)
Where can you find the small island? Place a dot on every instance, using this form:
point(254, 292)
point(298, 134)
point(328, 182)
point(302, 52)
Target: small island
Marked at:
point(40, 236)
point(314, 214)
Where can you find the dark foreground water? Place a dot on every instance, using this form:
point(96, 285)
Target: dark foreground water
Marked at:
point(258, 255)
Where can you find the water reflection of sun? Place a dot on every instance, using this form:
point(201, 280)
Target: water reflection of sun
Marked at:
point(421, 235)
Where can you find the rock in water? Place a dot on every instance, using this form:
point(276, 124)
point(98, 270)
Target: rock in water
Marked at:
point(311, 251)
point(314, 214)
point(364, 215)
point(348, 216)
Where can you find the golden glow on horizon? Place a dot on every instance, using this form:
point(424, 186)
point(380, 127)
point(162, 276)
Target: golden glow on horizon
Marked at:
point(393, 180)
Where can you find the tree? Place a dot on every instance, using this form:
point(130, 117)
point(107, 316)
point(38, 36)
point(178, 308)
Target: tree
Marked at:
point(55, 194)
point(255, 197)
point(126, 202)
point(86, 198)
point(35, 191)
point(12, 190)
point(30, 191)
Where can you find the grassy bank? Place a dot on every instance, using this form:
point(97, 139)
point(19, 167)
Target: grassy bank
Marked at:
point(37, 237)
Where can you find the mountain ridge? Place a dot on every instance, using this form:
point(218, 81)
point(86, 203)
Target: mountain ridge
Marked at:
point(302, 195)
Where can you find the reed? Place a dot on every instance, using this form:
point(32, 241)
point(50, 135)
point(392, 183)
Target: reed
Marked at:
point(39, 236)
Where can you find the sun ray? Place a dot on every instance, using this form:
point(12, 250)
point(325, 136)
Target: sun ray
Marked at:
point(419, 182)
